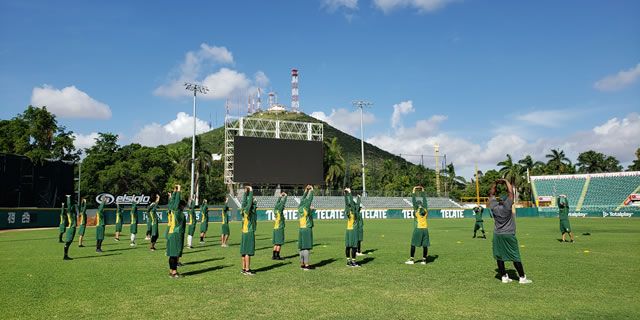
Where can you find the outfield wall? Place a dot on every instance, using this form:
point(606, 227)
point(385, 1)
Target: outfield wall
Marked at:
point(17, 218)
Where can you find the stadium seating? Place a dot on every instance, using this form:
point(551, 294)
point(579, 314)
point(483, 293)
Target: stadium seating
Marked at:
point(605, 193)
point(600, 191)
point(571, 186)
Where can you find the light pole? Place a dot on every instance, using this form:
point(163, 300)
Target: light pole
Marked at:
point(203, 90)
point(362, 104)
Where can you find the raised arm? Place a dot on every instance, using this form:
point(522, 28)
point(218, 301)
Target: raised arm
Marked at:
point(509, 189)
point(348, 198)
point(247, 199)
point(424, 199)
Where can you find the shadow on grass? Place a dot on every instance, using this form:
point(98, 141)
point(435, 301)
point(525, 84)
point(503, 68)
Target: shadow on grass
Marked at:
point(365, 261)
point(432, 258)
point(291, 256)
point(511, 272)
point(369, 251)
point(98, 256)
point(193, 251)
point(201, 261)
point(271, 267)
point(205, 270)
point(324, 263)
point(122, 249)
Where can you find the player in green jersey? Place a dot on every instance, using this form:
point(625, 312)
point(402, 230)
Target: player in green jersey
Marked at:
point(278, 226)
point(133, 227)
point(152, 215)
point(174, 224)
point(191, 223)
point(224, 226)
point(420, 236)
point(70, 212)
point(248, 239)
point(63, 224)
point(204, 220)
point(118, 222)
point(305, 232)
point(563, 213)
point(479, 225)
point(351, 235)
point(83, 222)
point(100, 225)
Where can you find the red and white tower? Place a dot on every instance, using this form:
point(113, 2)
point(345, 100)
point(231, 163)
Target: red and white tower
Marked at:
point(295, 103)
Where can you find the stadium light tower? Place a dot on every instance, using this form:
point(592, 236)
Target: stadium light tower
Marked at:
point(362, 104)
point(203, 90)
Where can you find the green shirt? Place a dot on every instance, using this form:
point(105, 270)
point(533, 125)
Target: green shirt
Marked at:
point(420, 212)
point(134, 213)
point(83, 214)
point(71, 216)
point(225, 214)
point(248, 213)
point(478, 213)
point(278, 213)
point(100, 215)
point(304, 210)
point(563, 208)
point(204, 213)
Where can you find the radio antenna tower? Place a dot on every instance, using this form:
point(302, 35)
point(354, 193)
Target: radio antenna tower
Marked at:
point(295, 102)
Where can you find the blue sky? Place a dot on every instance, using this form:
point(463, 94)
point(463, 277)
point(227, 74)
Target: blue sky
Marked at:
point(481, 78)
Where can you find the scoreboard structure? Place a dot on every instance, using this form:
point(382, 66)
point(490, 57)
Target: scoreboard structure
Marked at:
point(267, 151)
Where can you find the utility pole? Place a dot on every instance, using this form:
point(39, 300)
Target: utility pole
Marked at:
point(203, 90)
point(362, 104)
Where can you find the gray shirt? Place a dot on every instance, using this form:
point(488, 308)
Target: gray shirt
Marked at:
point(505, 222)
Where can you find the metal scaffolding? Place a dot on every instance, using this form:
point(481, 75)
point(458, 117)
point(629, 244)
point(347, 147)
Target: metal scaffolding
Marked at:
point(264, 128)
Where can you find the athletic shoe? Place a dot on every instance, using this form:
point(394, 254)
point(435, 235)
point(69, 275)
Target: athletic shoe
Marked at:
point(279, 258)
point(424, 261)
point(190, 247)
point(201, 242)
point(175, 276)
point(349, 264)
point(506, 279)
point(410, 261)
point(153, 249)
point(355, 264)
point(473, 237)
point(359, 254)
point(305, 268)
point(132, 244)
point(81, 246)
point(99, 250)
point(116, 239)
point(524, 280)
point(250, 273)
point(67, 258)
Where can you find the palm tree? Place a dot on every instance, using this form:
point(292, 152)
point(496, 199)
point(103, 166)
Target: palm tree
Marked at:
point(558, 162)
point(334, 162)
point(511, 172)
point(452, 177)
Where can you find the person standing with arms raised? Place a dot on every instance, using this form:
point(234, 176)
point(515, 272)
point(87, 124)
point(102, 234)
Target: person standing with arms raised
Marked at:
point(305, 232)
point(100, 225)
point(278, 226)
point(133, 228)
point(174, 224)
point(71, 227)
point(204, 220)
point(505, 243)
point(248, 239)
point(83, 222)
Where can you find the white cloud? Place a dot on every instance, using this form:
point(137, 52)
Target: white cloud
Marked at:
point(547, 118)
point(225, 82)
point(333, 5)
point(616, 137)
point(83, 141)
point(198, 66)
point(69, 103)
point(423, 6)
point(400, 109)
point(619, 80)
point(345, 120)
point(155, 134)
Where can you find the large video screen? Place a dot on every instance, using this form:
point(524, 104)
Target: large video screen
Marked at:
point(273, 161)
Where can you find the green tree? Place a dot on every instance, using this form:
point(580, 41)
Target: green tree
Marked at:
point(635, 166)
point(334, 163)
point(595, 162)
point(558, 162)
point(512, 172)
point(36, 134)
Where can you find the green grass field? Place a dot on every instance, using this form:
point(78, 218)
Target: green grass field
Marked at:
point(596, 277)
